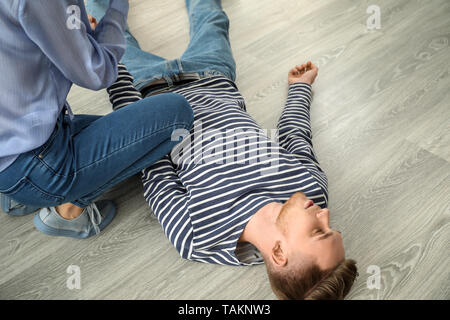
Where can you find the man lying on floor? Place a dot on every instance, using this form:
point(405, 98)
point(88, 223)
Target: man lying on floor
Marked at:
point(227, 194)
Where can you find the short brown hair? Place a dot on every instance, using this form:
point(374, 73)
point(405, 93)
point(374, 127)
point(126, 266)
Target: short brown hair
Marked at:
point(309, 282)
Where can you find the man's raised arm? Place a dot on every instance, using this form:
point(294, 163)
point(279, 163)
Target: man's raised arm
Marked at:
point(294, 127)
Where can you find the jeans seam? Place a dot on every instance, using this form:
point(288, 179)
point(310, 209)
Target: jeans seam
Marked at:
point(73, 174)
point(79, 204)
point(130, 144)
point(41, 161)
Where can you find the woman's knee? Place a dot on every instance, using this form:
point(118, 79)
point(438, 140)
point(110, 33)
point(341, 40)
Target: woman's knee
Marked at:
point(158, 113)
point(178, 107)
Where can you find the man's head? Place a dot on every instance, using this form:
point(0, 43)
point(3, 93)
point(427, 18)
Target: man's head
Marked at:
point(307, 261)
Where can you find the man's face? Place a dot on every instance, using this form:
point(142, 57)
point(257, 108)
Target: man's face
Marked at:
point(307, 231)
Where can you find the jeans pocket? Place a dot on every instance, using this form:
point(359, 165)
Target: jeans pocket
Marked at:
point(43, 150)
point(27, 193)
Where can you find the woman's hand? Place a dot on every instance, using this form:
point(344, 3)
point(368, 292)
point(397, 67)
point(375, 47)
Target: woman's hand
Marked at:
point(93, 22)
point(305, 73)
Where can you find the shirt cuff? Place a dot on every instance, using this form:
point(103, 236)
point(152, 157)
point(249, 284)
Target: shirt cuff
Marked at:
point(301, 84)
point(302, 89)
point(120, 5)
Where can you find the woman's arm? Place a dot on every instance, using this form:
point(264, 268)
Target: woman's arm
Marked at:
point(85, 57)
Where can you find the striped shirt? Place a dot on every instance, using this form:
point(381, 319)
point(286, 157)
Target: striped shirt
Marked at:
point(227, 168)
point(122, 92)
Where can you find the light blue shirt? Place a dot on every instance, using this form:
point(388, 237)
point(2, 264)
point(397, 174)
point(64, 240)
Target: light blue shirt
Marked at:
point(45, 47)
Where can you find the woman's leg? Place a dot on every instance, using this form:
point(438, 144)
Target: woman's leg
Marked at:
point(80, 131)
point(80, 122)
point(108, 151)
point(67, 210)
point(77, 165)
point(156, 121)
point(117, 146)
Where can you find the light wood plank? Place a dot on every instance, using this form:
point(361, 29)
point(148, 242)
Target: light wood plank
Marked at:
point(380, 118)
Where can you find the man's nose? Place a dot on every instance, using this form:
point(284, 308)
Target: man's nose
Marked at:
point(300, 195)
point(324, 214)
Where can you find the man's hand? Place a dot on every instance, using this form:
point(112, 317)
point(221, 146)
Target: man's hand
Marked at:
point(93, 22)
point(305, 73)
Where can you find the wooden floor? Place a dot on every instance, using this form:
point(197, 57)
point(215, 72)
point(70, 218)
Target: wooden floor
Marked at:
point(380, 115)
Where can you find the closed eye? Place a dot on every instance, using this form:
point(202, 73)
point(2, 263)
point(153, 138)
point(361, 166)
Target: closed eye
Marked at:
point(317, 231)
point(325, 235)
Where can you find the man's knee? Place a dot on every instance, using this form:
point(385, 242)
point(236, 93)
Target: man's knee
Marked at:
point(195, 5)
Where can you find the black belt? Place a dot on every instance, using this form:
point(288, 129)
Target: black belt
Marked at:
point(161, 85)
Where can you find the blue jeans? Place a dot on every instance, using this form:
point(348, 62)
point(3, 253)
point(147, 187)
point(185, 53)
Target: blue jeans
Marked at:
point(209, 52)
point(86, 156)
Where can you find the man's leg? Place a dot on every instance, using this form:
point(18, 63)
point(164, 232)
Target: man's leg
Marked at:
point(209, 48)
point(144, 66)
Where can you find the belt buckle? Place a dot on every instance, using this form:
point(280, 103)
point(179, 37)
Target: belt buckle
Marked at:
point(148, 87)
point(189, 76)
point(177, 79)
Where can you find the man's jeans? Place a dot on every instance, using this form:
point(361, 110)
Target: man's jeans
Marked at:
point(86, 156)
point(208, 54)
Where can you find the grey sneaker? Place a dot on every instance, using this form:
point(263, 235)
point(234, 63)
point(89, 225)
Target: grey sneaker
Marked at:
point(93, 219)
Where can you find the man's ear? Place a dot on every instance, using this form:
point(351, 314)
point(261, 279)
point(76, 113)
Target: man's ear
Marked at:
point(278, 255)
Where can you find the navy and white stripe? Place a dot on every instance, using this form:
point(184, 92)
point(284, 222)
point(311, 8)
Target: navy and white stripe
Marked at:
point(204, 196)
point(122, 92)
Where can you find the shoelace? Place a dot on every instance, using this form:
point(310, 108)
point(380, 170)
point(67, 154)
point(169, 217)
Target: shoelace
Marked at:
point(94, 216)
